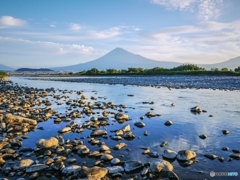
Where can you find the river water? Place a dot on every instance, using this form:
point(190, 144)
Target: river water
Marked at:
point(224, 106)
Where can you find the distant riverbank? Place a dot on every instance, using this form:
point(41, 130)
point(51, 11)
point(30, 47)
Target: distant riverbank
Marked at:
point(177, 82)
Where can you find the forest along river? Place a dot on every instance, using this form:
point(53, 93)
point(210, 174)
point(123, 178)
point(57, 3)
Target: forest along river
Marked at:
point(222, 113)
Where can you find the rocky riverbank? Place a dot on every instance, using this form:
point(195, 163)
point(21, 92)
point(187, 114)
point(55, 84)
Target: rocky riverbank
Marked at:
point(52, 157)
point(23, 109)
point(177, 82)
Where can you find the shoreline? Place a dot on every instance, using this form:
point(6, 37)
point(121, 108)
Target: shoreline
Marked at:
point(231, 83)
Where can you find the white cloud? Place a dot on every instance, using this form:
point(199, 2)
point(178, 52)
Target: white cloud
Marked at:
point(75, 27)
point(9, 22)
point(175, 4)
point(206, 9)
point(105, 34)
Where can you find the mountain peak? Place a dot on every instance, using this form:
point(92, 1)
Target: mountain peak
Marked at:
point(118, 49)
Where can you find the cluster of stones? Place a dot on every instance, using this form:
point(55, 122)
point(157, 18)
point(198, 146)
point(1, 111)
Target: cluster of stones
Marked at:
point(22, 108)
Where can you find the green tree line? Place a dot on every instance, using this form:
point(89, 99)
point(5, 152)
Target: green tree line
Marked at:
point(185, 69)
point(3, 74)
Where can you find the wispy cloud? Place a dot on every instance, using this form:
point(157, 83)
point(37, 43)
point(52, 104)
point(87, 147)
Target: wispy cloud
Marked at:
point(75, 27)
point(11, 22)
point(205, 42)
point(175, 4)
point(206, 9)
point(209, 9)
point(56, 48)
point(105, 34)
point(52, 25)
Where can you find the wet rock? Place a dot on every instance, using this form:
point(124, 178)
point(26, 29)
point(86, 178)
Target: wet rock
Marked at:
point(169, 154)
point(185, 155)
point(94, 154)
point(130, 166)
point(34, 175)
point(47, 143)
point(149, 114)
point(126, 128)
point(73, 170)
point(153, 155)
point(145, 171)
point(210, 156)
point(129, 135)
point(119, 146)
point(65, 130)
point(146, 150)
point(160, 166)
point(225, 148)
point(119, 132)
point(106, 157)
point(121, 116)
point(115, 161)
point(115, 169)
point(235, 155)
point(221, 159)
point(98, 132)
point(23, 164)
point(196, 109)
point(139, 124)
point(236, 150)
point(94, 172)
point(3, 144)
point(48, 161)
point(83, 150)
point(104, 148)
point(203, 136)
point(116, 137)
point(36, 167)
point(172, 176)
point(168, 123)
point(165, 143)
point(225, 131)
point(146, 133)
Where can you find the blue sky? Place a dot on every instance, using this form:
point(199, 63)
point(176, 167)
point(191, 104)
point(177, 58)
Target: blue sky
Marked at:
point(55, 33)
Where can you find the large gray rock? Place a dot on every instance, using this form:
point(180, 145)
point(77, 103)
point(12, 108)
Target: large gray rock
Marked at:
point(71, 170)
point(36, 167)
point(115, 169)
point(169, 154)
point(131, 166)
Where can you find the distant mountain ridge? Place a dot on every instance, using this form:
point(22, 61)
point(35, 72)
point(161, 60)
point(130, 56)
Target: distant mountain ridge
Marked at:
point(5, 68)
point(119, 59)
point(33, 70)
point(122, 59)
point(230, 64)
